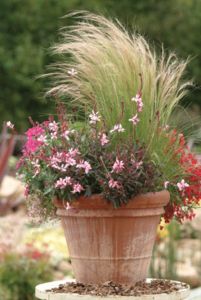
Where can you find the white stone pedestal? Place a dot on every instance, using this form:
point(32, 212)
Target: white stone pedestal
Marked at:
point(41, 293)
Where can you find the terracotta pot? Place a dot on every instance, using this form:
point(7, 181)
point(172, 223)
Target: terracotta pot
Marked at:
point(112, 244)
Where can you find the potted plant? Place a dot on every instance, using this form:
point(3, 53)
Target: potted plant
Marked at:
point(110, 162)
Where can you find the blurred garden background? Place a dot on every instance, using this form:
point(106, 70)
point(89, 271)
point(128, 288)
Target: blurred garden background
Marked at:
point(28, 29)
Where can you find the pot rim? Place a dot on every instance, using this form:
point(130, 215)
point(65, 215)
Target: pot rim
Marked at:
point(97, 201)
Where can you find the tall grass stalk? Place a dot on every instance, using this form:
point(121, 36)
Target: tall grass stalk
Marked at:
point(112, 66)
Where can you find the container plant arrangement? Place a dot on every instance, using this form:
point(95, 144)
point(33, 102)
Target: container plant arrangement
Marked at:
point(109, 163)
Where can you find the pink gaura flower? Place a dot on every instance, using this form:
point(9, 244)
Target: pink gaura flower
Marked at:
point(9, 125)
point(94, 117)
point(118, 166)
point(53, 126)
point(84, 165)
point(134, 119)
point(114, 184)
point(138, 100)
point(61, 183)
point(73, 152)
point(117, 128)
point(103, 139)
point(137, 164)
point(62, 160)
point(182, 185)
point(77, 188)
point(67, 133)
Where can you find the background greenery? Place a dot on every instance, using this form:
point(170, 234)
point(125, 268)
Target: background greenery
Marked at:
point(29, 27)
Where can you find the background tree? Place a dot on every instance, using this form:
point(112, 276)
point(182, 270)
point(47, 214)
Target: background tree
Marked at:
point(28, 28)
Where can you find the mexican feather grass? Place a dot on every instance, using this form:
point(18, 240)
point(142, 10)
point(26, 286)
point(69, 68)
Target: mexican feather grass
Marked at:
point(111, 66)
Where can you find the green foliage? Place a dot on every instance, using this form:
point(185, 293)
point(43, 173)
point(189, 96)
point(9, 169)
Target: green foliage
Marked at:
point(19, 274)
point(127, 66)
point(29, 27)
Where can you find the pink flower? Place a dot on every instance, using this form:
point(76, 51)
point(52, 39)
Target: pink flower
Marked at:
point(182, 185)
point(84, 165)
point(114, 184)
point(139, 102)
point(118, 166)
point(104, 140)
point(35, 131)
point(72, 72)
point(166, 183)
point(9, 125)
point(134, 119)
point(117, 128)
point(62, 160)
point(31, 146)
point(66, 134)
point(137, 165)
point(77, 188)
point(73, 152)
point(53, 126)
point(32, 143)
point(61, 183)
point(70, 161)
point(94, 117)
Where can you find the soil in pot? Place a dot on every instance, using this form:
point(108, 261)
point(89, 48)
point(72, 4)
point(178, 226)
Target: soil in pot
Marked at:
point(109, 288)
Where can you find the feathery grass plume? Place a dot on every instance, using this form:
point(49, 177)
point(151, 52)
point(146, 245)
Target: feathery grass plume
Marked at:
point(109, 67)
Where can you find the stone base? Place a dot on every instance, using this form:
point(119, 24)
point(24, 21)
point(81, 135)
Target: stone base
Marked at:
point(41, 293)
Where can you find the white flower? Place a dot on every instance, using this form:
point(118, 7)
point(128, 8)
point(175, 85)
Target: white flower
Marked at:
point(42, 138)
point(72, 72)
point(53, 135)
point(182, 185)
point(117, 128)
point(9, 125)
point(166, 183)
point(137, 98)
point(94, 117)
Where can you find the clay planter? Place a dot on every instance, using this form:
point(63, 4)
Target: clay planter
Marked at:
point(112, 244)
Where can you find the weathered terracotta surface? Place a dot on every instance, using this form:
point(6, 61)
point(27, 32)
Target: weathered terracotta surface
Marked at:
point(112, 244)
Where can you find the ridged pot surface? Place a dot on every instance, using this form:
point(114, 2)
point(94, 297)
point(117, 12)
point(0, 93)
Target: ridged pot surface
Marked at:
point(112, 244)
